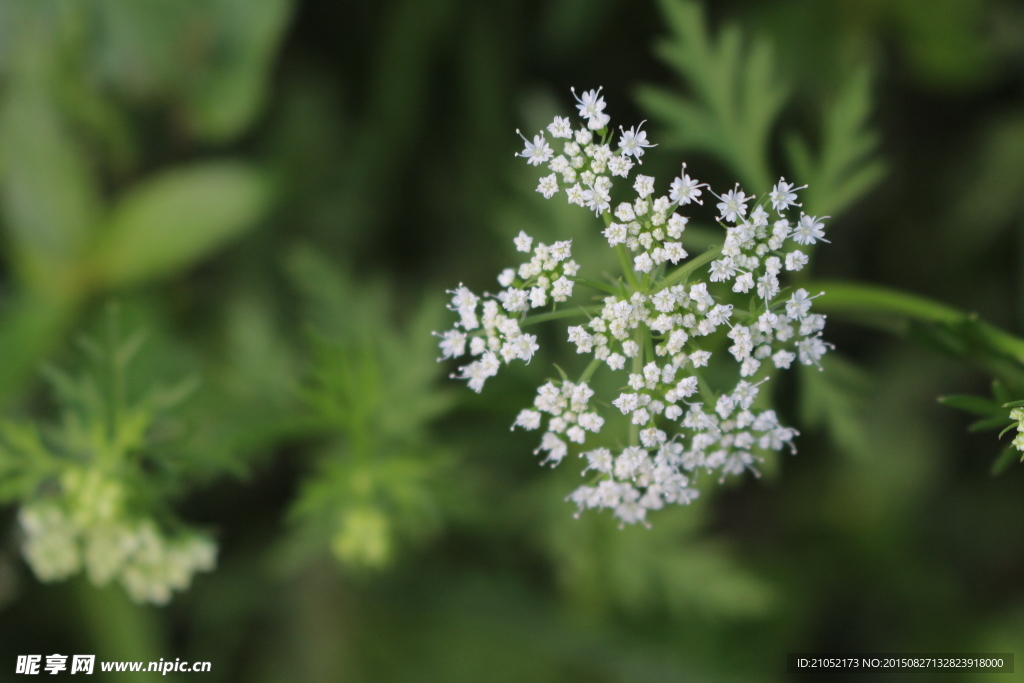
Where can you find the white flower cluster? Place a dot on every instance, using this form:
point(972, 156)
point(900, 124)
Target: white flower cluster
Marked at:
point(586, 165)
point(1017, 414)
point(546, 276)
point(660, 324)
point(89, 528)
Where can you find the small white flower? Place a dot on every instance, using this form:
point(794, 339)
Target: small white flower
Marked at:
point(643, 263)
point(783, 195)
point(783, 359)
point(744, 283)
point(536, 152)
point(527, 419)
point(576, 195)
point(599, 459)
point(616, 361)
point(652, 437)
point(644, 186)
point(525, 346)
point(478, 371)
point(462, 298)
point(724, 406)
point(795, 260)
point(633, 142)
point(597, 198)
point(627, 403)
point(624, 212)
point(592, 422)
point(733, 205)
point(767, 286)
point(591, 107)
point(766, 322)
point(561, 289)
point(809, 230)
point(811, 324)
point(686, 387)
point(723, 269)
point(676, 225)
point(453, 344)
point(523, 241)
point(700, 358)
point(560, 127)
point(616, 233)
point(799, 304)
point(699, 295)
point(685, 189)
point(555, 447)
point(811, 350)
point(620, 166)
point(514, 300)
point(576, 434)
point(548, 186)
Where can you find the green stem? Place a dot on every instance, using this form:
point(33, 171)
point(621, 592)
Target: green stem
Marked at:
point(556, 315)
point(627, 267)
point(684, 270)
point(850, 297)
point(116, 627)
point(705, 390)
point(640, 337)
point(600, 286)
point(589, 372)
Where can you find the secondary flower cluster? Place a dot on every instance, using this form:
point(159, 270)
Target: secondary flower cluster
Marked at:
point(89, 526)
point(1017, 414)
point(495, 334)
point(659, 325)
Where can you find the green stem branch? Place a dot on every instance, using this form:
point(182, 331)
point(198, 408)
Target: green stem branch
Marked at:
point(600, 286)
point(556, 315)
point(855, 298)
point(627, 268)
point(683, 271)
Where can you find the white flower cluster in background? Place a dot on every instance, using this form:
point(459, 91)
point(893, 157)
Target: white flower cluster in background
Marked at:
point(657, 331)
point(1017, 414)
point(88, 527)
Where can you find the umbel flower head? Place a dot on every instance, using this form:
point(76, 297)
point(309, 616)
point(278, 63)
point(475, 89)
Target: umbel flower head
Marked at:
point(658, 328)
point(88, 527)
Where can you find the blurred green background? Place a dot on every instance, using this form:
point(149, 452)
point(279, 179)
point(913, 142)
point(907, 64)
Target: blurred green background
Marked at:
point(279, 192)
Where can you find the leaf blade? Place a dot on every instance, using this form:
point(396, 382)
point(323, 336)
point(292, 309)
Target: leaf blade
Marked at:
point(178, 218)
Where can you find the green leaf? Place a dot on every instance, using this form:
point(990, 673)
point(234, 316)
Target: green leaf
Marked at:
point(737, 95)
point(24, 461)
point(234, 89)
point(1000, 391)
point(989, 203)
point(31, 327)
point(177, 218)
point(970, 404)
point(837, 400)
point(846, 167)
point(50, 202)
point(1009, 456)
point(1012, 425)
point(993, 422)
